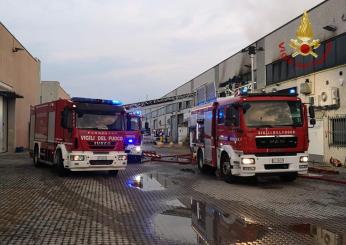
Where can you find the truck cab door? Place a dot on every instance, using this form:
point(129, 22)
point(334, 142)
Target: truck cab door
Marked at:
point(67, 124)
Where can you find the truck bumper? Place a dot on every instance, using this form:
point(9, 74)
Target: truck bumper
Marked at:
point(134, 153)
point(270, 165)
point(96, 162)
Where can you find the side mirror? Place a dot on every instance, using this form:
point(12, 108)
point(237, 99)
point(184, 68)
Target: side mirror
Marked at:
point(312, 121)
point(312, 112)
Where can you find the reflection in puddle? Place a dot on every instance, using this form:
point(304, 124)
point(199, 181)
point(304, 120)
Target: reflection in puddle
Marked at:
point(213, 225)
point(149, 182)
point(320, 236)
point(205, 224)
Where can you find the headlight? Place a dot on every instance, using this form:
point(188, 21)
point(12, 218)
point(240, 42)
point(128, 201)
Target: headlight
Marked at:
point(77, 157)
point(138, 148)
point(248, 161)
point(304, 159)
point(122, 157)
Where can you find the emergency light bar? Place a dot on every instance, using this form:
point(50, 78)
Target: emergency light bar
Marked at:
point(96, 101)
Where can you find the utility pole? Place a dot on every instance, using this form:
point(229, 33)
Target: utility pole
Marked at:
point(251, 50)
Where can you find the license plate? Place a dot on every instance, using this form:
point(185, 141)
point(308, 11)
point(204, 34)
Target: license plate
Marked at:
point(101, 158)
point(278, 160)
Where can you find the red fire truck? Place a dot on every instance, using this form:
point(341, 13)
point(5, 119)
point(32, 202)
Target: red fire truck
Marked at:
point(133, 143)
point(252, 134)
point(80, 134)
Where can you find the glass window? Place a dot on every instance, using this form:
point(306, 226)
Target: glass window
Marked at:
point(269, 74)
point(272, 113)
point(276, 72)
point(319, 62)
point(299, 64)
point(341, 50)
point(232, 117)
point(338, 131)
point(133, 123)
point(291, 68)
point(220, 116)
point(283, 75)
point(330, 54)
point(98, 121)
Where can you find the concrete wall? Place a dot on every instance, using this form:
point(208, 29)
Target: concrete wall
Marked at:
point(51, 91)
point(21, 71)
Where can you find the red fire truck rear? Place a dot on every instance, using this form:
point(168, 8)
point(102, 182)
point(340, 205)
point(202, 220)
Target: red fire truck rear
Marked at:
point(80, 134)
point(252, 134)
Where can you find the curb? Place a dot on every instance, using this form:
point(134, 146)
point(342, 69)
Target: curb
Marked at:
point(338, 181)
point(322, 170)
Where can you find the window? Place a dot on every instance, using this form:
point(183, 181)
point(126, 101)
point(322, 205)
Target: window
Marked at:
point(337, 129)
point(269, 114)
point(232, 116)
point(283, 75)
point(220, 116)
point(319, 61)
point(276, 72)
point(331, 56)
point(341, 50)
point(269, 74)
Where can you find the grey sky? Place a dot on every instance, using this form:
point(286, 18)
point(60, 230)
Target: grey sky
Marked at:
point(130, 49)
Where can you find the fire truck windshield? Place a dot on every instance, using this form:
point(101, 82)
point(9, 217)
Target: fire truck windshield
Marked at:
point(98, 121)
point(272, 114)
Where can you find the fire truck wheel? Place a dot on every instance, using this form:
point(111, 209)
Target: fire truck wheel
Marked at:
point(60, 166)
point(290, 177)
point(113, 172)
point(35, 157)
point(225, 168)
point(200, 163)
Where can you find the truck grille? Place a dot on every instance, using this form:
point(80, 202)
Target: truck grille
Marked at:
point(101, 162)
point(276, 142)
point(275, 166)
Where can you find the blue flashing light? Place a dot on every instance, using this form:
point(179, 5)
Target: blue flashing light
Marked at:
point(138, 113)
point(130, 141)
point(292, 91)
point(244, 90)
point(116, 102)
point(96, 101)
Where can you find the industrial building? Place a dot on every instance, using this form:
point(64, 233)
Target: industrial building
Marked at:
point(19, 89)
point(318, 78)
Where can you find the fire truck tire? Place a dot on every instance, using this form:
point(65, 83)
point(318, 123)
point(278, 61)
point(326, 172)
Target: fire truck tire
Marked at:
point(225, 171)
point(290, 177)
point(201, 166)
point(62, 171)
point(113, 172)
point(35, 157)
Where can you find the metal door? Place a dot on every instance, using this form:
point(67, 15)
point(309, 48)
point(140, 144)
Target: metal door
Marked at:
point(3, 124)
point(316, 145)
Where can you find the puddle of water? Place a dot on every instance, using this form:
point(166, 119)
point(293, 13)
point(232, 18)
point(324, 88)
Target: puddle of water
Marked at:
point(205, 224)
point(149, 182)
point(320, 235)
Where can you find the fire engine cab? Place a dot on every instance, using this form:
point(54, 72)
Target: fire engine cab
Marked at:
point(133, 144)
point(252, 134)
point(80, 134)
